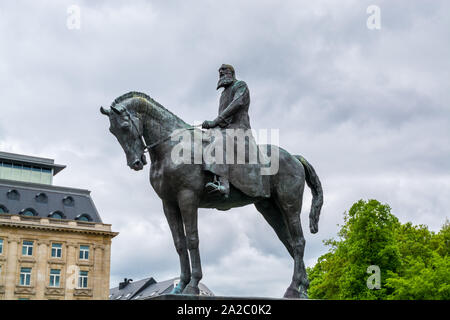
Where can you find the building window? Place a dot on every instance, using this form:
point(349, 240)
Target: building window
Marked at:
point(56, 250)
point(13, 194)
point(84, 252)
point(41, 197)
point(3, 209)
point(83, 279)
point(68, 201)
point(27, 248)
point(29, 212)
point(56, 215)
point(25, 276)
point(1, 246)
point(46, 176)
point(55, 275)
point(83, 217)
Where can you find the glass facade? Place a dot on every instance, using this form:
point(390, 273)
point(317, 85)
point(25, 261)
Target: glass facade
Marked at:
point(26, 173)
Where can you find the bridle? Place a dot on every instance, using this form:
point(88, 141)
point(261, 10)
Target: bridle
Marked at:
point(141, 135)
point(148, 147)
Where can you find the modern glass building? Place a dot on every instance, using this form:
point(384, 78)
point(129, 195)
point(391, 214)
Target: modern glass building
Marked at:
point(28, 169)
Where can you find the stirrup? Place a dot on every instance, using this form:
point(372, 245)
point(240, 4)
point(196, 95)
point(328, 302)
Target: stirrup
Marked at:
point(214, 186)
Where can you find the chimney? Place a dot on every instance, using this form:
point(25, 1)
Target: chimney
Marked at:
point(124, 283)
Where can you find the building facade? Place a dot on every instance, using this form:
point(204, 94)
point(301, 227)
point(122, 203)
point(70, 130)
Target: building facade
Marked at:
point(53, 243)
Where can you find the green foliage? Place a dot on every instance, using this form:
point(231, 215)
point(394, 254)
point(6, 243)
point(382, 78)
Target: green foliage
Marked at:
point(414, 261)
point(425, 271)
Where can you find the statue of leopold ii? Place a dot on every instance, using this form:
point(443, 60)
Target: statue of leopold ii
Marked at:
point(232, 121)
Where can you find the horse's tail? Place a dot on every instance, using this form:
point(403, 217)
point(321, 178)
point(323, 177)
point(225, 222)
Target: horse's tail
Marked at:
point(316, 189)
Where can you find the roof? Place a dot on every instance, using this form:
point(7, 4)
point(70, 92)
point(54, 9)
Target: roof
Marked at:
point(16, 196)
point(148, 287)
point(30, 160)
point(131, 289)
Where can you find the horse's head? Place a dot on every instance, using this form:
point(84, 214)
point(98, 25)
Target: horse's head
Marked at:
point(127, 128)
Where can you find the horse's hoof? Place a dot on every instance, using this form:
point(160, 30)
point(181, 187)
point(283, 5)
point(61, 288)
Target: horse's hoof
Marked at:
point(177, 289)
point(191, 290)
point(303, 292)
point(292, 294)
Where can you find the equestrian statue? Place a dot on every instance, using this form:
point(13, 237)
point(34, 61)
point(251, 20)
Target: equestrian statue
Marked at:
point(142, 125)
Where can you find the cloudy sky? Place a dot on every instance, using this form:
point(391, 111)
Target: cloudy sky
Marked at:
point(367, 108)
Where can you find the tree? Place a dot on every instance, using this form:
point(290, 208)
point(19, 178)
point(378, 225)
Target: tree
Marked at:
point(425, 270)
point(413, 261)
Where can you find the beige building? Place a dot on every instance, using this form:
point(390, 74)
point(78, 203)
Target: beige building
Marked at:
point(53, 243)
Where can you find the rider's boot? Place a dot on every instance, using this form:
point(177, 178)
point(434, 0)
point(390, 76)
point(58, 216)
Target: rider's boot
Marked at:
point(222, 185)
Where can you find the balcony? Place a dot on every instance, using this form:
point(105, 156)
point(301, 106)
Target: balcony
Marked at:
point(24, 290)
point(82, 292)
point(54, 291)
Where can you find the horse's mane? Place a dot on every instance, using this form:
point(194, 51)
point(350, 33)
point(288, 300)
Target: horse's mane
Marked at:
point(136, 94)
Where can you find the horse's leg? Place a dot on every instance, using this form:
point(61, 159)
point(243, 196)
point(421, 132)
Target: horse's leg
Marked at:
point(188, 203)
point(175, 221)
point(299, 285)
point(290, 204)
point(273, 216)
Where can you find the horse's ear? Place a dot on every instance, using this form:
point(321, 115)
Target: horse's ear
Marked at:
point(116, 110)
point(104, 111)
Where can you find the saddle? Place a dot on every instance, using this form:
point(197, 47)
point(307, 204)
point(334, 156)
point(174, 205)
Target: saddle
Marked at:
point(242, 165)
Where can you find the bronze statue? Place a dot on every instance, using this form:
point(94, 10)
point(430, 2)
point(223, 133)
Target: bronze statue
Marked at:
point(140, 123)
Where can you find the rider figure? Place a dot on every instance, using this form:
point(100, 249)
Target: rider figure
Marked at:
point(233, 114)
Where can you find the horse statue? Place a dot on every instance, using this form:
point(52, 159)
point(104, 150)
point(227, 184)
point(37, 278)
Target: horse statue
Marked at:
point(140, 123)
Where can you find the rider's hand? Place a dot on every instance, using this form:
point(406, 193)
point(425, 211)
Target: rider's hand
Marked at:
point(208, 124)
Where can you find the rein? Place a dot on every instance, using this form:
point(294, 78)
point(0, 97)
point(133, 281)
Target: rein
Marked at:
point(148, 147)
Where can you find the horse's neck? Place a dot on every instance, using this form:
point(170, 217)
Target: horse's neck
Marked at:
point(159, 124)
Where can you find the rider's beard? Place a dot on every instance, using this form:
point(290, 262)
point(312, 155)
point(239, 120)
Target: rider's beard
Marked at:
point(225, 81)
